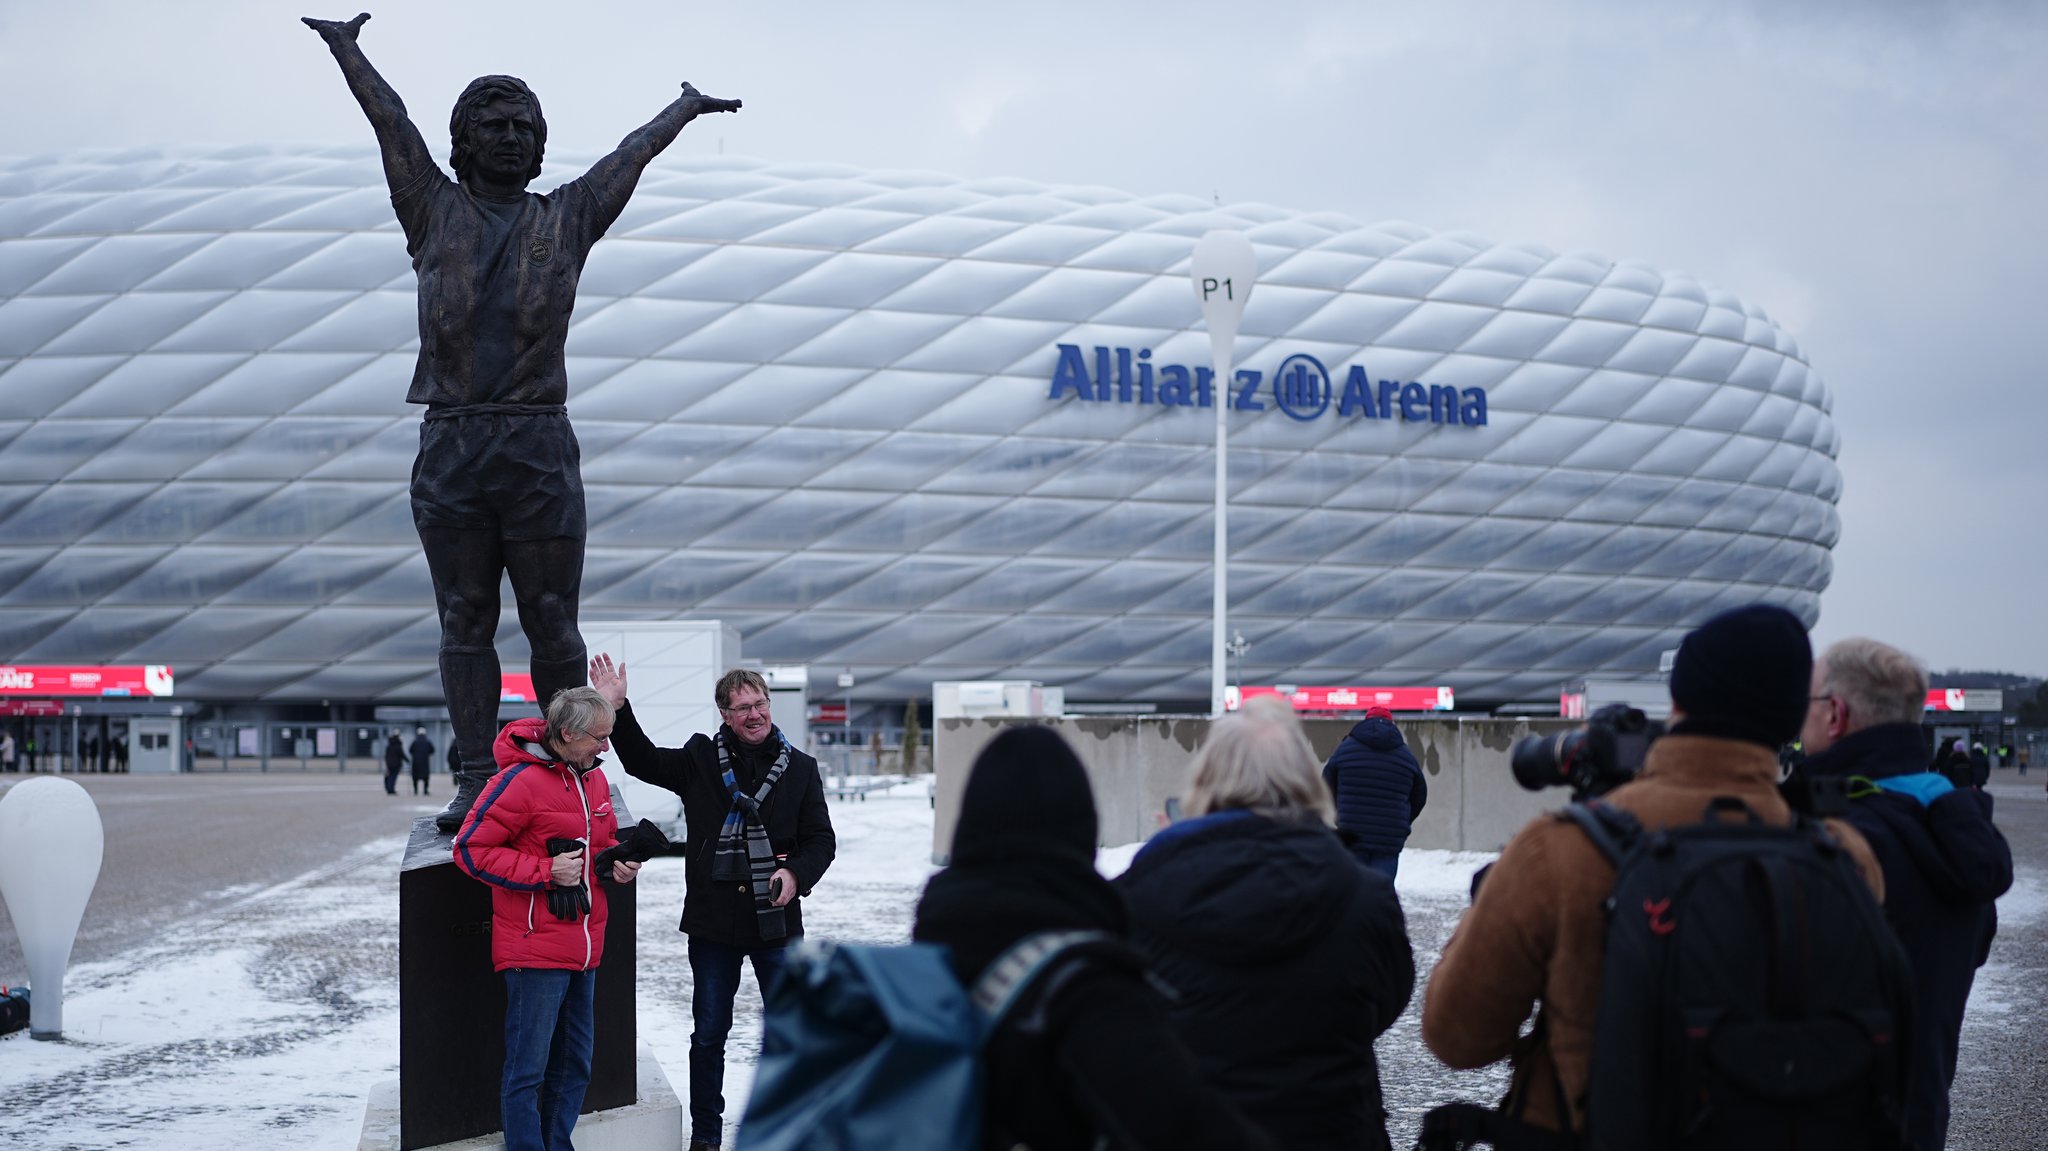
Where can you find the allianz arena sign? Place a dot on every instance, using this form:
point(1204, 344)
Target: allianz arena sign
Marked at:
point(1300, 388)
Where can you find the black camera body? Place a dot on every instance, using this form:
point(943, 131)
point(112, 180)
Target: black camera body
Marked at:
point(1592, 760)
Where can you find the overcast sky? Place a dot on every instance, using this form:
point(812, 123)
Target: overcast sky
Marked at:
point(1870, 173)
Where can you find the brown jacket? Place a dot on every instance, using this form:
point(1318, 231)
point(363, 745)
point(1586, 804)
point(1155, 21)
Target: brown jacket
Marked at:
point(1535, 931)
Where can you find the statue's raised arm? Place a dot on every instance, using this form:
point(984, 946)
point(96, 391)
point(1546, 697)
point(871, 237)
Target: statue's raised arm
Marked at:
point(612, 179)
point(406, 157)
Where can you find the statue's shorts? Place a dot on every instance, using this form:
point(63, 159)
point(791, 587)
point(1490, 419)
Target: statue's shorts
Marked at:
point(516, 473)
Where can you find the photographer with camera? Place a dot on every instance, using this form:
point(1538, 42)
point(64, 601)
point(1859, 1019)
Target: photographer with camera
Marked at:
point(1538, 931)
point(1944, 861)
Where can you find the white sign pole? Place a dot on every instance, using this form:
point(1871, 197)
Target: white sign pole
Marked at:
point(1223, 268)
point(53, 843)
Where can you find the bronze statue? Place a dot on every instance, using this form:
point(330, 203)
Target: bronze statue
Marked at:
point(496, 486)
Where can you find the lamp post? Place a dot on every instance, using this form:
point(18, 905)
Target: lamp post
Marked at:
point(846, 725)
point(53, 847)
point(1222, 268)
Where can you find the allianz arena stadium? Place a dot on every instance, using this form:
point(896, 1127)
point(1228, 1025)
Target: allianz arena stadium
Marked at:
point(918, 427)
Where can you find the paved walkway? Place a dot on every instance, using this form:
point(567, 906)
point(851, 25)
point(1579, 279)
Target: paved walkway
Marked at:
point(178, 845)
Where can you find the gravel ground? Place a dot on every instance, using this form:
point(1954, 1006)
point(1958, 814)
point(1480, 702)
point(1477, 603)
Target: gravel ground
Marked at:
point(271, 902)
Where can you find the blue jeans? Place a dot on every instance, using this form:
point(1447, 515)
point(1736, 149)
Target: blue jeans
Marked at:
point(548, 1028)
point(1386, 865)
point(715, 972)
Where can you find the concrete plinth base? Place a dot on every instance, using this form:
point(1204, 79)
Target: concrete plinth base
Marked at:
point(653, 1122)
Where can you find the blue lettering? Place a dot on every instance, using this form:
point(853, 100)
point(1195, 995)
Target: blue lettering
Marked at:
point(1387, 390)
point(1474, 409)
point(1357, 399)
point(1412, 399)
point(1176, 387)
point(1070, 372)
point(1443, 404)
point(1248, 383)
point(1205, 387)
point(1144, 375)
point(1101, 373)
point(1123, 376)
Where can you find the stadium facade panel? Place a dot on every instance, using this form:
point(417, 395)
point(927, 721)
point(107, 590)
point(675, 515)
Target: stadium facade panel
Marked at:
point(916, 426)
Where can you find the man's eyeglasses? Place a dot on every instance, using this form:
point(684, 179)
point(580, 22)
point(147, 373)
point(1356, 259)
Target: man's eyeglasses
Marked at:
point(760, 708)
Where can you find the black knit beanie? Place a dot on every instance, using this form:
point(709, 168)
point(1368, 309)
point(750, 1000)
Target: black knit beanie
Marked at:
point(1027, 786)
point(1745, 674)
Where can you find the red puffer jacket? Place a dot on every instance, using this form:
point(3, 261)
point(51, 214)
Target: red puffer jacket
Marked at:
point(534, 798)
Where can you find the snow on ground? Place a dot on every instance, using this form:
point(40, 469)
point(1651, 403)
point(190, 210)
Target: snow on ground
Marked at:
point(271, 1022)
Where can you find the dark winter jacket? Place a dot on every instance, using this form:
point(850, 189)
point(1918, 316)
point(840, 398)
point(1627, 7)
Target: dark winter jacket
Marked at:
point(1944, 864)
point(534, 798)
point(1087, 1052)
point(798, 822)
point(1378, 786)
point(394, 756)
point(422, 750)
point(1248, 919)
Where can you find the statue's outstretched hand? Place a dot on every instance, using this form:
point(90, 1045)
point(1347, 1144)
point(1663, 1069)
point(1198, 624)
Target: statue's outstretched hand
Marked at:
point(609, 679)
point(709, 103)
point(336, 31)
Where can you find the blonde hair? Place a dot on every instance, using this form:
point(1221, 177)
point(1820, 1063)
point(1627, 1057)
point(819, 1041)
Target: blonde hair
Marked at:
point(1258, 760)
point(1880, 683)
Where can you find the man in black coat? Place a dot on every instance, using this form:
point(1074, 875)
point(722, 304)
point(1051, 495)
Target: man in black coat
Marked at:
point(1944, 861)
point(422, 752)
point(758, 838)
point(1379, 789)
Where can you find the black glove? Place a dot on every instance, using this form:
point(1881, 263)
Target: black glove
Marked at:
point(571, 903)
point(641, 843)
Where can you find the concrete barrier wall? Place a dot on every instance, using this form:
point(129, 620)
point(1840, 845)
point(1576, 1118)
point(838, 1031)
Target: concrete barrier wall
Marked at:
point(1135, 763)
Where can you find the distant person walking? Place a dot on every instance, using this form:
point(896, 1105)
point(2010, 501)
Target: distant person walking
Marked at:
point(7, 750)
point(422, 762)
point(394, 762)
point(1379, 790)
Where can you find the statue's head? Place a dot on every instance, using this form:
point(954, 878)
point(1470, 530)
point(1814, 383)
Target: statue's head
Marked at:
point(497, 128)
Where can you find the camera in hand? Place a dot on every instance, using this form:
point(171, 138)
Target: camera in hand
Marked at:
point(1592, 760)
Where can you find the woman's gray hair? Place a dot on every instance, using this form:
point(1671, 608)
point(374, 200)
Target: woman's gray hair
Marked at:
point(575, 709)
point(1258, 760)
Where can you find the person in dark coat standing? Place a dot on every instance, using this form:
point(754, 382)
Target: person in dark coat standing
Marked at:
point(394, 762)
point(422, 750)
point(1944, 861)
point(758, 839)
point(1249, 902)
point(1087, 1057)
point(1379, 790)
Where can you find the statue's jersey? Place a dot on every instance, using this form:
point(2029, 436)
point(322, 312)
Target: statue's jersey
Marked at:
point(497, 285)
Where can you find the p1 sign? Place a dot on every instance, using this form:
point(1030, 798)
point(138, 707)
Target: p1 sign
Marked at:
point(1223, 267)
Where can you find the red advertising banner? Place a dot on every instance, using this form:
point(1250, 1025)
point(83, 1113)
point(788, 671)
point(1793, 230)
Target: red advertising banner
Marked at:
point(1966, 699)
point(829, 713)
point(31, 707)
point(515, 687)
point(138, 680)
point(1350, 698)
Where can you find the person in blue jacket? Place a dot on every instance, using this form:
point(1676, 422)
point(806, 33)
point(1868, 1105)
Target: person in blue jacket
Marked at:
point(1944, 861)
point(1379, 789)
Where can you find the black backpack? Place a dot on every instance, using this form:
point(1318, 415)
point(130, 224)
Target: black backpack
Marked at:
point(1752, 995)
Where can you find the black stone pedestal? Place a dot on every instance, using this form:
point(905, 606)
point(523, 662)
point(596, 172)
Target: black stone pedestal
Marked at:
point(451, 1005)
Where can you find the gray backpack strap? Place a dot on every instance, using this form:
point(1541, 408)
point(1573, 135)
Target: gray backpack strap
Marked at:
point(1014, 970)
